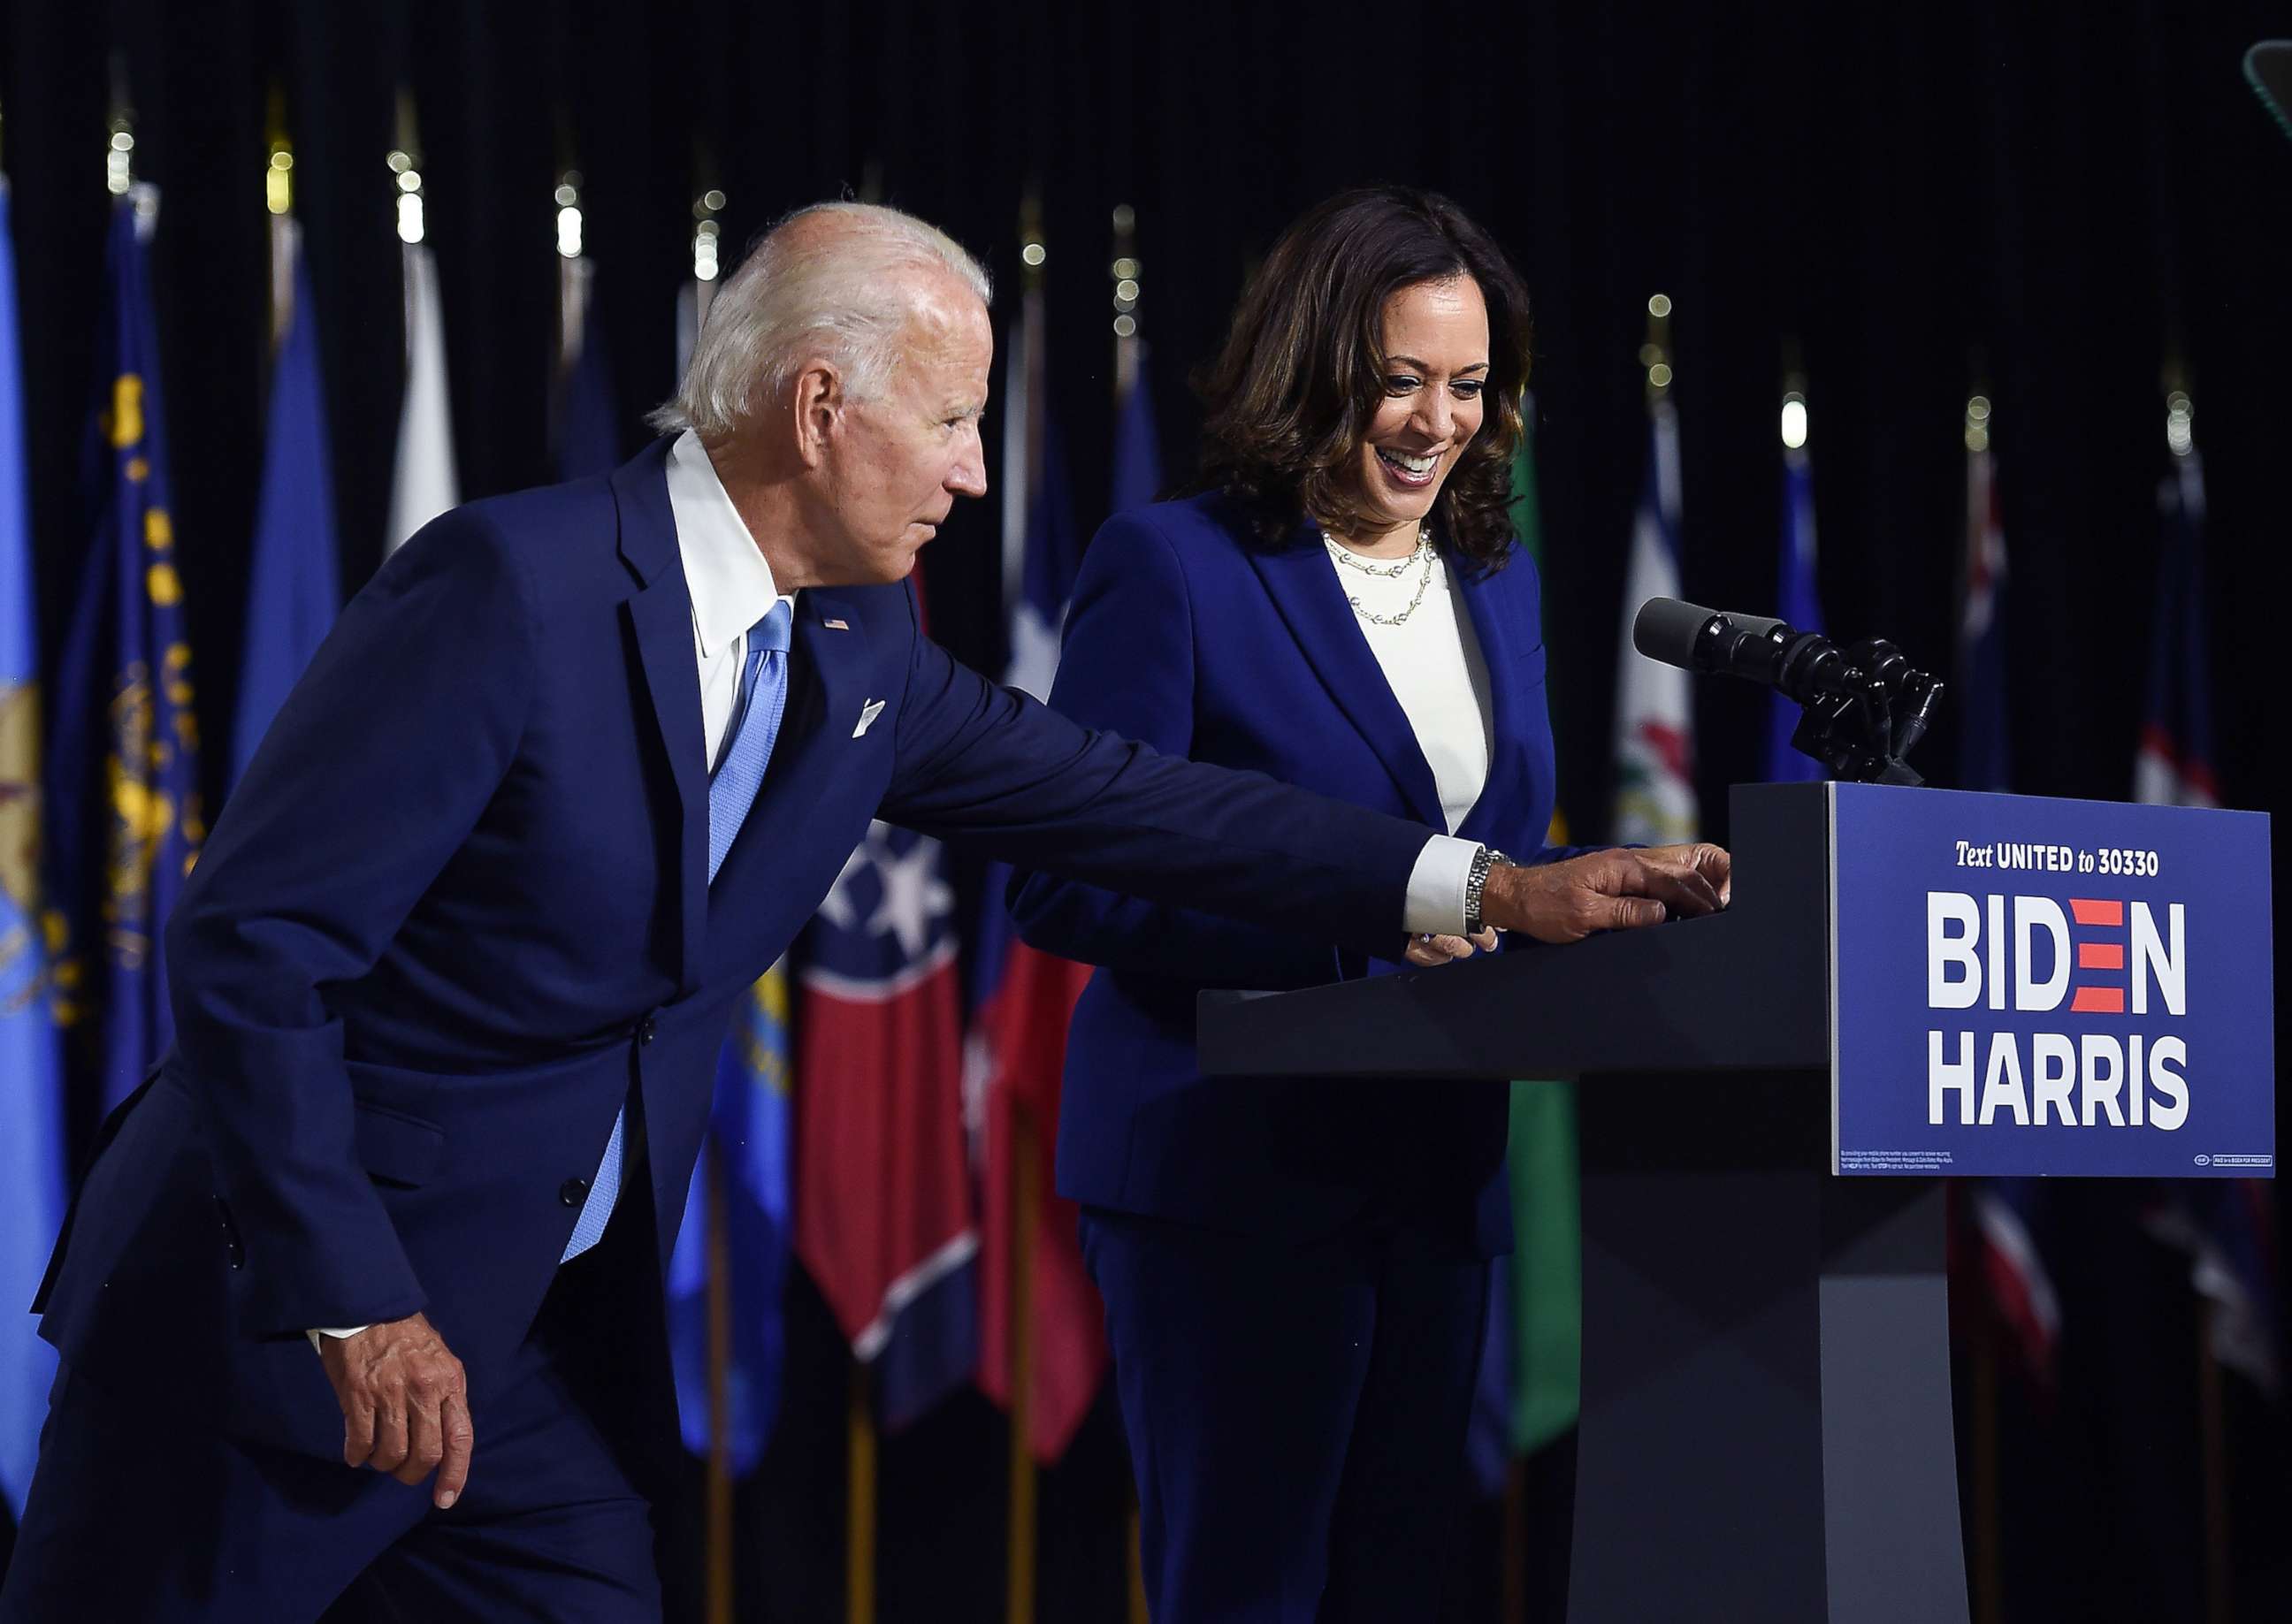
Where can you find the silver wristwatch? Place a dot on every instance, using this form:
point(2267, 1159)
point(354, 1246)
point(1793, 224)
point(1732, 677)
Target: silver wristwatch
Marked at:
point(1476, 881)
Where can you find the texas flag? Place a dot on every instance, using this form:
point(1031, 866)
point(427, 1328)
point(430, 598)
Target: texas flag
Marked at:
point(883, 1208)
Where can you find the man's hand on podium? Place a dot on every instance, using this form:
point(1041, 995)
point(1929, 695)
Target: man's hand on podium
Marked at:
point(405, 1408)
point(1607, 890)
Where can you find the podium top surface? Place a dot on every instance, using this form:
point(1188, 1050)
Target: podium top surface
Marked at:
point(1746, 988)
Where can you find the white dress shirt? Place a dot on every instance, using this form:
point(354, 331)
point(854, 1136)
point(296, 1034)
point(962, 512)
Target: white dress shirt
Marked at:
point(1432, 661)
point(731, 585)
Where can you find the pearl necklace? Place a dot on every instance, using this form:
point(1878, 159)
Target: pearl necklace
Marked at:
point(1422, 555)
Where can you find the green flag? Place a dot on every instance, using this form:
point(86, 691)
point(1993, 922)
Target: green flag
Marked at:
point(1547, 1277)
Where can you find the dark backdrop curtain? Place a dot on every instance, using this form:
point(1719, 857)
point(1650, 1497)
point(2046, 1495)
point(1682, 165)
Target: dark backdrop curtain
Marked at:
point(2054, 193)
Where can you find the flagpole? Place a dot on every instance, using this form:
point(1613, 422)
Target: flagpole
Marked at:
point(279, 199)
point(1025, 1204)
point(720, 1394)
point(1989, 1588)
point(424, 482)
point(1026, 1209)
point(1124, 273)
point(2219, 1598)
point(1512, 1580)
point(1655, 354)
point(859, 1503)
point(119, 154)
point(572, 288)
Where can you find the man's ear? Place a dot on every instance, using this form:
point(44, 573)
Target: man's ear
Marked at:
point(819, 405)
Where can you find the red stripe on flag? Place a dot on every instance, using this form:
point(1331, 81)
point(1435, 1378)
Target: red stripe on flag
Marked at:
point(883, 1185)
point(2098, 1000)
point(1026, 1025)
point(2101, 955)
point(2092, 911)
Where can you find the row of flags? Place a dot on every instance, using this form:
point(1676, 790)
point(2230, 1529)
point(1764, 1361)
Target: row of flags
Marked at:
point(847, 1063)
point(873, 1098)
point(2227, 1227)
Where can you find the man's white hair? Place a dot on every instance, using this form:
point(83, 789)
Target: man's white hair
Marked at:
point(838, 297)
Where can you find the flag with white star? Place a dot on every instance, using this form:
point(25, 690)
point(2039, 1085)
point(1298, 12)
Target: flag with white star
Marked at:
point(884, 1216)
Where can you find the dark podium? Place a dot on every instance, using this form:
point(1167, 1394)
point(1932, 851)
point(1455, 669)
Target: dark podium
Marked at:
point(1766, 1428)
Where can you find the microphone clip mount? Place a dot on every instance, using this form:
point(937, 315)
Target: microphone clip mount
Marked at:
point(1865, 719)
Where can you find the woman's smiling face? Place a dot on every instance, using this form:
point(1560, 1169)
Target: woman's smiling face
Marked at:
point(1436, 352)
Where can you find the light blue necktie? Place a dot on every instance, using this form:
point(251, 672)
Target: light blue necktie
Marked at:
point(732, 792)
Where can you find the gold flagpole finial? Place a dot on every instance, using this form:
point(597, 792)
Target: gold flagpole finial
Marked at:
point(568, 198)
point(1033, 251)
point(278, 167)
point(706, 233)
point(1794, 423)
point(1654, 355)
point(2180, 411)
point(406, 167)
point(1126, 273)
point(279, 201)
point(119, 151)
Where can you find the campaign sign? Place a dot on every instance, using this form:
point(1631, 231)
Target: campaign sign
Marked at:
point(2025, 987)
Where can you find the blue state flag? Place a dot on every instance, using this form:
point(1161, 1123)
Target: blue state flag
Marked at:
point(1798, 604)
point(32, 1177)
point(125, 820)
point(293, 585)
point(742, 1172)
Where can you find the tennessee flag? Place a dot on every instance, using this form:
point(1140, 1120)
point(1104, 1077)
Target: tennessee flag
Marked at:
point(883, 1199)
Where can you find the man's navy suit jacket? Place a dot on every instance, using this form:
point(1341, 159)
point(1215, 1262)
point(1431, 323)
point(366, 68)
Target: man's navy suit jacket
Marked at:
point(458, 908)
point(1201, 643)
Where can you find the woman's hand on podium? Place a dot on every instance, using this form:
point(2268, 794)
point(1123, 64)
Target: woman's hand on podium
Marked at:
point(1607, 890)
point(406, 1407)
point(1430, 950)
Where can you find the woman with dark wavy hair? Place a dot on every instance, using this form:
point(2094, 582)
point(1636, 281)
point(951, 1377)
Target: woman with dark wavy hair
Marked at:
point(1296, 1273)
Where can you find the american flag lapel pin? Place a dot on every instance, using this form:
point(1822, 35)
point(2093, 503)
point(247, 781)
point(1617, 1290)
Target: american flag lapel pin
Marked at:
point(835, 625)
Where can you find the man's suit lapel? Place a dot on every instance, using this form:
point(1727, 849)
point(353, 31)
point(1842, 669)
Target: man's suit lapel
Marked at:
point(660, 623)
point(1304, 585)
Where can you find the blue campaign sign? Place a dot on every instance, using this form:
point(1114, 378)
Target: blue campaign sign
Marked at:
point(2027, 987)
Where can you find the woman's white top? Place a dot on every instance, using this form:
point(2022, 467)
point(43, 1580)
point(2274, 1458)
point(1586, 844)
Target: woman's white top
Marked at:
point(1432, 662)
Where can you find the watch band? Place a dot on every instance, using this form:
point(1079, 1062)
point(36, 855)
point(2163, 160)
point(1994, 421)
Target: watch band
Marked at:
point(1476, 881)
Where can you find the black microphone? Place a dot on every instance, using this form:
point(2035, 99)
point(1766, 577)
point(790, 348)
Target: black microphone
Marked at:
point(1803, 665)
point(1865, 706)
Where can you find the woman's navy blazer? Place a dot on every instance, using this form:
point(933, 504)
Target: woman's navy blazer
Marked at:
point(1188, 635)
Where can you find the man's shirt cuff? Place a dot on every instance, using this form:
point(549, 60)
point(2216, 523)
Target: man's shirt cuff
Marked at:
point(339, 1331)
point(1436, 887)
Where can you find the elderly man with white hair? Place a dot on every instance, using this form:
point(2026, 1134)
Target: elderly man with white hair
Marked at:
point(361, 1301)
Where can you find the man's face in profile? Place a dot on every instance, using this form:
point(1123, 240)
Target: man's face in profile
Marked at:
point(902, 458)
